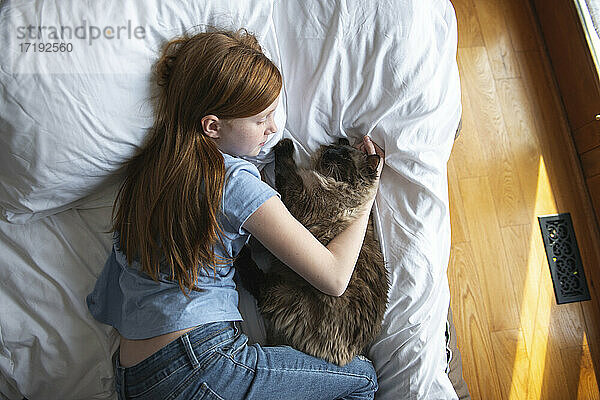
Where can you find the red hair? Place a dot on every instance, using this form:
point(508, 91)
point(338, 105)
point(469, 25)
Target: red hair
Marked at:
point(168, 205)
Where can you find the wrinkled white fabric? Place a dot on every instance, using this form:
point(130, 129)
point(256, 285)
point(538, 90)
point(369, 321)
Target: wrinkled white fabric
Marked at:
point(69, 119)
point(350, 68)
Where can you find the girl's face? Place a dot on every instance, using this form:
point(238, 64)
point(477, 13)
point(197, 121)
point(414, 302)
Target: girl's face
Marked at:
point(246, 136)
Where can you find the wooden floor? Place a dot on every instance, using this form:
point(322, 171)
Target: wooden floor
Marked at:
point(510, 165)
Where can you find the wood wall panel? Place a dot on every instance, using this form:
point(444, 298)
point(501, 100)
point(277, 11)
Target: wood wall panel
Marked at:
point(587, 137)
point(594, 188)
point(590, 162)
point(571, 60)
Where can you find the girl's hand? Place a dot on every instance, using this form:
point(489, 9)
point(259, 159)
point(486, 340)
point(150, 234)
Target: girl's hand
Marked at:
point(370, 147)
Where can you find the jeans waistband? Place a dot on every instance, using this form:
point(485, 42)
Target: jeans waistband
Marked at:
point(196, 345)
point(199, 342)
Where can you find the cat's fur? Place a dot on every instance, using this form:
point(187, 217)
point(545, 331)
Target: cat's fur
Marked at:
point(325, 199)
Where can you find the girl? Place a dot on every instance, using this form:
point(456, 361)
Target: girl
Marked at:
point(186, 207)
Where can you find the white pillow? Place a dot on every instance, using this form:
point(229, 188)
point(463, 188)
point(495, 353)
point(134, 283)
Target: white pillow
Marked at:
point(70, 117)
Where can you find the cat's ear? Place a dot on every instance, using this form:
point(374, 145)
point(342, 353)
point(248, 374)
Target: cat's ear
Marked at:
point(344, 141)
point(373, 160)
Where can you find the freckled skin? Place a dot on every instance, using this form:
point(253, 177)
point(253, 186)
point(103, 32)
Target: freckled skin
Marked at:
point(246, 136)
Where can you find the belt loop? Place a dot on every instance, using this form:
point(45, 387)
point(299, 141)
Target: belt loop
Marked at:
point(189, 350)
point(120, 371)
point(122, 376)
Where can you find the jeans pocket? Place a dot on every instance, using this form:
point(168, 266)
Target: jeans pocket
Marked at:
point(193, 391)
point(206, 393)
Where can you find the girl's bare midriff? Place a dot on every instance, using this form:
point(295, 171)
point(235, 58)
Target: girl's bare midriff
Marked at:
point(133, 352)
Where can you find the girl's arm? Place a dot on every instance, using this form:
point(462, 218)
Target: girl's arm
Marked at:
point(327, 268)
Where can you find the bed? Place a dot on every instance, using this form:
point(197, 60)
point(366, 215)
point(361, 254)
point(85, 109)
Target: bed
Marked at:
point(70, 114)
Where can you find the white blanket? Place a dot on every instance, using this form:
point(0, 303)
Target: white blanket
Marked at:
point(67, 121)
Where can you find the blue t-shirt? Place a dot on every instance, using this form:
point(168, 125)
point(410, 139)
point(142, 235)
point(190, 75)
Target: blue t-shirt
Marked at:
point(140, 308)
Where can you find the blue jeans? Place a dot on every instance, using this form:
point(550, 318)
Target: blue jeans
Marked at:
point(214, 361)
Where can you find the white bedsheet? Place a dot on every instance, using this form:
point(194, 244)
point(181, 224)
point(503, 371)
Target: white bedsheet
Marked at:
point(350, 68)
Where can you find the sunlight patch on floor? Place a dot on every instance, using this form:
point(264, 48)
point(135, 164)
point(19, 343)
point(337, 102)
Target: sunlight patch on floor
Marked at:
point(536, 303)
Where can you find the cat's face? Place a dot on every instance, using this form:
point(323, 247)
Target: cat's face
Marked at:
point(344, 163)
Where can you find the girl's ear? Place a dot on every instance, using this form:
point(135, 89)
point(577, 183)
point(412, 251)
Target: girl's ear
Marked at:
point(210, 126)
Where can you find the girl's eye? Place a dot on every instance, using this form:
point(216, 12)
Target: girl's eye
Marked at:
point(263, 121)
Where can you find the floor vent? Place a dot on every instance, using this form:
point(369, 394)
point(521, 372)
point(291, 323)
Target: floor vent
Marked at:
point(564, 259)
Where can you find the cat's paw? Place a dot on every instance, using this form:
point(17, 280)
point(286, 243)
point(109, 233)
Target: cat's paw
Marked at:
point(284, 149)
